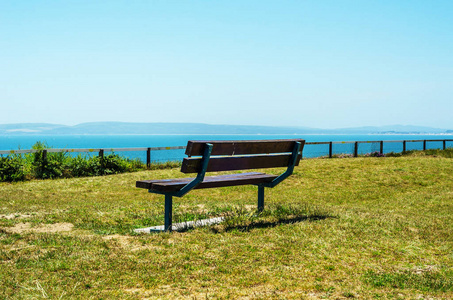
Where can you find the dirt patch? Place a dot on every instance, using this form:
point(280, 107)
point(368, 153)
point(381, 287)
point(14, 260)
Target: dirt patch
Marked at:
point(122, 240)
point(428, 268)
point(14, 216)
point(128, 242)
point(44, 228)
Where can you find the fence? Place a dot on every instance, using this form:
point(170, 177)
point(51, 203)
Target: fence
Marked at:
point(311, 149)
point(331, 149)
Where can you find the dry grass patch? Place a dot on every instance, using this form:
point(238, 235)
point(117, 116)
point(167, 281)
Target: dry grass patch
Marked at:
point(44, 228)
point(15, 216)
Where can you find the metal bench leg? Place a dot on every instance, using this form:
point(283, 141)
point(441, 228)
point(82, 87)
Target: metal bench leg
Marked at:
point(168, 213)
point(260, 198)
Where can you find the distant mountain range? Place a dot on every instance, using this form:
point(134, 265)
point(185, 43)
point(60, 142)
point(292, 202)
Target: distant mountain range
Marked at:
point(199, 128)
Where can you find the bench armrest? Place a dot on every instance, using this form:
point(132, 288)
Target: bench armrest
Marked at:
point(289, 171)
point(201, 173)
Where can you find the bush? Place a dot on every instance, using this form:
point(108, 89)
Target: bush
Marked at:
point(395, 154)
point(12, 168)
point(48, 167)
point(375, 154)
point(81, 166)
point(109, 164)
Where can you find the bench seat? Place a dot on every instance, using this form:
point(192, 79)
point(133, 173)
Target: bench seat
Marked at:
point(171, 185)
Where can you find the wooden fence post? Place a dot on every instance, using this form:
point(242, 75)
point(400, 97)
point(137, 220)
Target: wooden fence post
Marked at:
point(148, 158)
point(404, 146)
point(44, 160)
point(101, 153)
point(424, 145)
point(330, 149)
point(445, 144)
point(381, 148)
point(356, 149)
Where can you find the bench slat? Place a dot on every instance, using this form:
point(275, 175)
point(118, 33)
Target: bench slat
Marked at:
point(171, 185)
point(232, 163)
point(196, 148)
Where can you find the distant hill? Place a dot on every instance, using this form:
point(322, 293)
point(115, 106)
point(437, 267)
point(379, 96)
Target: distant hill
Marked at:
point(27, 128)
point(199, 128)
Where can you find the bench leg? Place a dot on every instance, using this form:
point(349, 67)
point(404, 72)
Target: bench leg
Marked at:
point(260, 198)
point(168, 212)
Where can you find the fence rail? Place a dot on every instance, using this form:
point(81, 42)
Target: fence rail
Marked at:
point(329, 152)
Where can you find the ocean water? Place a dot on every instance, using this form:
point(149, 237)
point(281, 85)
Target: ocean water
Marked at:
point(15, 142)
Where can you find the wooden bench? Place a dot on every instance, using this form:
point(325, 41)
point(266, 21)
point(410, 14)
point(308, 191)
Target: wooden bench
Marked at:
point(215, 156)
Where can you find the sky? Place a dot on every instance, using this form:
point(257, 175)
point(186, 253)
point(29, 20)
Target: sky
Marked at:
point(323, 64)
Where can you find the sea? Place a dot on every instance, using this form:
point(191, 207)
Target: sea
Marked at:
point(15, 142)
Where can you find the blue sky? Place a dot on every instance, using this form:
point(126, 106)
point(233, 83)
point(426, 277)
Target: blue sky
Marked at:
point(326, 64)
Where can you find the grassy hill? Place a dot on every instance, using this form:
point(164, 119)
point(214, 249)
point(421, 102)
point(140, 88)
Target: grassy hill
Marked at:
point(373, 228)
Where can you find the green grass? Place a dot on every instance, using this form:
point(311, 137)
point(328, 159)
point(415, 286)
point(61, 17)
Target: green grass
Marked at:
point(428, 280)
point(371, 228)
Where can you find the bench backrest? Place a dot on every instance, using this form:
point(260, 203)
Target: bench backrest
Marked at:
point(240, 155)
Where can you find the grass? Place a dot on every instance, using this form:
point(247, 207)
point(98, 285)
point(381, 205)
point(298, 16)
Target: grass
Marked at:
point(373, 228)
point(424, 280)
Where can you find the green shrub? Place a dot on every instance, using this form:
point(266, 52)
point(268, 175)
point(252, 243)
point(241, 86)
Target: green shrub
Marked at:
point(49, 167)
point(12, 168)
point(109, 164)
point(79, 166)
point(395, 154)
point(136, 164)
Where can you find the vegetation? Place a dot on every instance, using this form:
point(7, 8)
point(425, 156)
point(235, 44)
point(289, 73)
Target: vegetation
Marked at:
point(11, 168)
point(447, 153)
point(51, 165)
point(372, 228)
